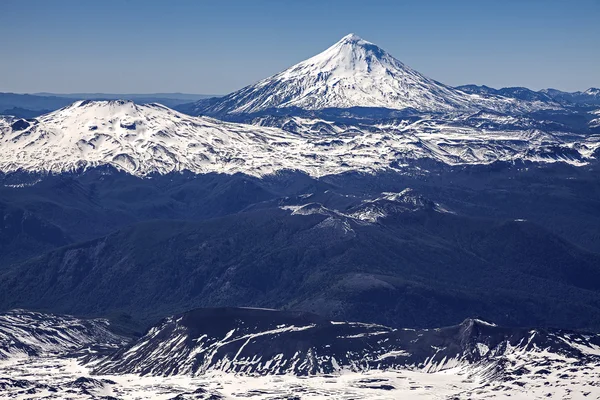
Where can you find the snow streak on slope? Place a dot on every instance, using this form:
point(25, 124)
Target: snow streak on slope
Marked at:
point(368, 212)
point(357, 73)
point(25, 333)
point(344, 360)
point(268, 342)
point(595, 123)
point(146, 139)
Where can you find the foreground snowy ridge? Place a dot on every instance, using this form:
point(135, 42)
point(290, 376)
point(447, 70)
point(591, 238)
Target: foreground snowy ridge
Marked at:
point(147, 139)
point(266, 342)
point(193, 356)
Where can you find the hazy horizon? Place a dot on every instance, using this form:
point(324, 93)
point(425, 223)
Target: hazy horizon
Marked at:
point(150, 47)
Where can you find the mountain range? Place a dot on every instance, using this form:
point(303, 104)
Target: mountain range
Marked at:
point(461, 242)
point(354, 204)
point(351, 73)
point(147, 139)
point(36, 104)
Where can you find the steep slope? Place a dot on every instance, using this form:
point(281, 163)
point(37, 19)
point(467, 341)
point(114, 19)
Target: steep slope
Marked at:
point(353, 73)
point(269, 342)
point(25, 333)
point(241, 353)
point(24, 234)
point(100, 201)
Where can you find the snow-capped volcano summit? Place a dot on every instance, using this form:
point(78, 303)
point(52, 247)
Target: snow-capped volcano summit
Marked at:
point(353, 73)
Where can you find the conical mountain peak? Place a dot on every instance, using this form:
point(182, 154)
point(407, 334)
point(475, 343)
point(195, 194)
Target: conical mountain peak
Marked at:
point(351, 55)
point(352, 38)
point(351, 73)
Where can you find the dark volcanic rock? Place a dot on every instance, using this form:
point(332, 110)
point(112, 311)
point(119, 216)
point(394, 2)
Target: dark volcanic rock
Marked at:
point(256, 341)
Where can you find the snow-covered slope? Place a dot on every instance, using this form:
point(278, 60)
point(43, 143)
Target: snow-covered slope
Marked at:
point(25, 333)
point(268, 342)
point(479, 138)
point(140, 139)
point(519, 93)
point(595, 123)
point(355, 73)
point(589, 97)
point(266, 354)
point(368, 211)
point(146, 139)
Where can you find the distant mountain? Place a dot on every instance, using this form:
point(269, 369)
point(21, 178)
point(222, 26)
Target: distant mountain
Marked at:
point(548, 96)
point(301, 201)
point(128, 96)
point(20, 112)
point(34, 105)
point(353, 73)
point(28, 105)
point(588, 97)
point(519, 93)
point(167, 99)
point(592, 92)
point(152, 138)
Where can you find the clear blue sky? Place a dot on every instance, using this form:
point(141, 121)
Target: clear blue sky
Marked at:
point(215, 47)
